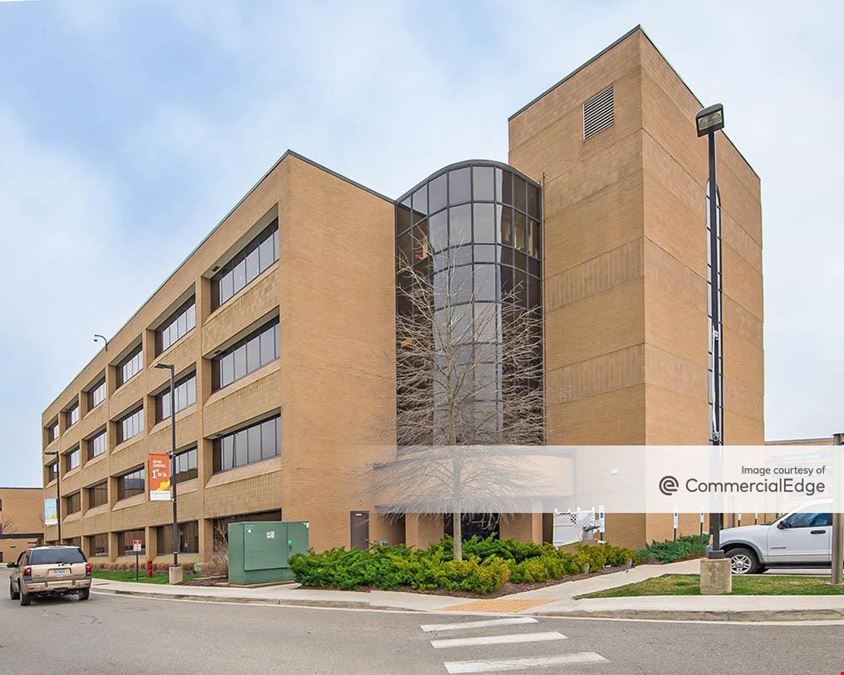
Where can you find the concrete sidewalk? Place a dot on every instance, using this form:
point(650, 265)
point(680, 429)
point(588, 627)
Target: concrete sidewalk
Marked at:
point(557, 600)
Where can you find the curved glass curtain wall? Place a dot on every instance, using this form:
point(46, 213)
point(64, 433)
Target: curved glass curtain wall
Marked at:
point(482, 222)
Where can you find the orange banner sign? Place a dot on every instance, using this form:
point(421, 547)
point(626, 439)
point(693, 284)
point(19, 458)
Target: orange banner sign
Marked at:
point(159, 478)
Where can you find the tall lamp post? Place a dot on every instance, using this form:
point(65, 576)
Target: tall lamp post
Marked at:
point(55, 453)
point(175, 538)
point(708, 122)
point(837, 576)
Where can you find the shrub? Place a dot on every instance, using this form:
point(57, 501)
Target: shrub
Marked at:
point(489, 563)
point(685, 548)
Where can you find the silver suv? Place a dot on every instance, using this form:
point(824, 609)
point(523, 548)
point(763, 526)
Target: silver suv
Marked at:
point(802, 538)
point(50, 570)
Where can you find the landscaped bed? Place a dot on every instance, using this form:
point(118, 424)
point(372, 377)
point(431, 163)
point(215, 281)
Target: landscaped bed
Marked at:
point(689, 584)
point(487, 565)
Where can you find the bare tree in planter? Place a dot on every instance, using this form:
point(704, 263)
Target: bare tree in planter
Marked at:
point(468, 374)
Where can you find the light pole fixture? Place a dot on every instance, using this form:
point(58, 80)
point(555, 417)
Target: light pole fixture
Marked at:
point(708, 121)
point(175, 538)
point(57, 455)
point(97, 336)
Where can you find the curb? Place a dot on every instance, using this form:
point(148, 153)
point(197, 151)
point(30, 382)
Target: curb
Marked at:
point(336, 604)
point(715, 616)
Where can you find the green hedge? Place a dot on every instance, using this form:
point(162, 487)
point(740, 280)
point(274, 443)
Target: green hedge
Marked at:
point(487, 564)
point(685, 548)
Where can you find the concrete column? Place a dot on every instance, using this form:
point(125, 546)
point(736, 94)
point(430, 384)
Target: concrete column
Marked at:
point(522, 527)
point(716, 577)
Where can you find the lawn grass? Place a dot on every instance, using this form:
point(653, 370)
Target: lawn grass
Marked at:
point(129, 575)
point(689, 584)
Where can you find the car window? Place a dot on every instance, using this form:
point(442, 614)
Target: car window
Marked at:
point(822, 520)
point(50, 556)
point(806, 519)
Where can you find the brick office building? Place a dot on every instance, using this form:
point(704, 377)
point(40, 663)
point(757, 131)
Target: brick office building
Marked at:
point(21, 525)
point(281, 323)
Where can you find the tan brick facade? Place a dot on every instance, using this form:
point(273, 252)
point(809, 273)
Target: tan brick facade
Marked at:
point(21, 522)
point(625, 311)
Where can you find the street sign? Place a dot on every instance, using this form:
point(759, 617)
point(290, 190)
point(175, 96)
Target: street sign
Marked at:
point(137, 545)
point(602, 519)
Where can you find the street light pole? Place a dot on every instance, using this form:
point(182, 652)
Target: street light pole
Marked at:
point(175, 538)
point(837, 577)
point(55, 453)
point(709, 121)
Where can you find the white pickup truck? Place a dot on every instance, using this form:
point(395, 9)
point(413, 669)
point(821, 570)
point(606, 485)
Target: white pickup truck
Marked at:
point(802, 538)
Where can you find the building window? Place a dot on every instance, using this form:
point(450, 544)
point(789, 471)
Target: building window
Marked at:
point(72, 459)
point(253, 352)
point(125, 539)
point(73, 503)
point(256, 258)
point(99, 544)
point(52, 432)
point(131, 425)
point(246, 446)
point(97, 445)
point(186, 465)
point(185, 397)
point(130, 366)
point(96, 394)
point(52, 471)
point(188, 538)
point(72, 414)
point(177, 326)
point(131, 484)
point(98, 494)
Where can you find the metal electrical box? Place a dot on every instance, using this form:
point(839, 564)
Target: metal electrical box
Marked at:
point(259, 552)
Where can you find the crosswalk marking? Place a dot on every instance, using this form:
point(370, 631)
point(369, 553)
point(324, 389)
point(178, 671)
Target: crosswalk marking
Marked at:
point(521, 664)
point(497, 639)
point(486, 623)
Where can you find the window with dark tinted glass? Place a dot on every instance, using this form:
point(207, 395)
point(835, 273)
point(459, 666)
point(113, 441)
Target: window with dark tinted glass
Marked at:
point(130, 425)
point(97, 445)
point(246, 446)
point(180, 323)
point(254, 259)
point(125, 541)
point(185, 397)
point(98, 494)
point(96, 394)
point(186, 465)
point(52, 432)
point(73, 503)
point(131, 484)
point(248, 355)
point(52, 471)
point(188, 538)
point(130, 366)
point(72, 414)
point(99, 544)
point(72, 459)
point(52, 556)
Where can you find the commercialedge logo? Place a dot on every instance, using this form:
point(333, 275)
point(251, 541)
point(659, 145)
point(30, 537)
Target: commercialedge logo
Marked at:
point(669, 485)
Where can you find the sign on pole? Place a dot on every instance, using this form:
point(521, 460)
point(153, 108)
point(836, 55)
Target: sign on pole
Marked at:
point(137, 545)
point(159, 478)
point(602, 519)
point(51, 516)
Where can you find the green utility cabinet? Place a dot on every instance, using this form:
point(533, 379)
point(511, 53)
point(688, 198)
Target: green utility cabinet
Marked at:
point(259, 552)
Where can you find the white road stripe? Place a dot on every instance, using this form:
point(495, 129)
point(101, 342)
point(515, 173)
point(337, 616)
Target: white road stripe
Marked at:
point(466, 625)
point(497, 639)
point(521, 664)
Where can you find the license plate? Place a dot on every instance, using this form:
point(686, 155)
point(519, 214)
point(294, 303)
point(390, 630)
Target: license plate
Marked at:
point(59, 572)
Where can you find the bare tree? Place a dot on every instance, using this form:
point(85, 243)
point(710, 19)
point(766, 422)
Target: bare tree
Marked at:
point(468, 373)
point(7, 525)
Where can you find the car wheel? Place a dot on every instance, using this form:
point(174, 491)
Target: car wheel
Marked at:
point(84, 595)
point(12, 593)
point(25, 599)
point(743, 561)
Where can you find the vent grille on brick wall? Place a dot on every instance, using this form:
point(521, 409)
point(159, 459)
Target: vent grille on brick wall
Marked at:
point(598, 113)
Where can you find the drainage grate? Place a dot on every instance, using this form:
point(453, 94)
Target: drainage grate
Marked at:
point(598, 113)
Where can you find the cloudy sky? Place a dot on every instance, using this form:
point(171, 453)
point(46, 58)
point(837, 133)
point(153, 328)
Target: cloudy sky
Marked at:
point(128, 129)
